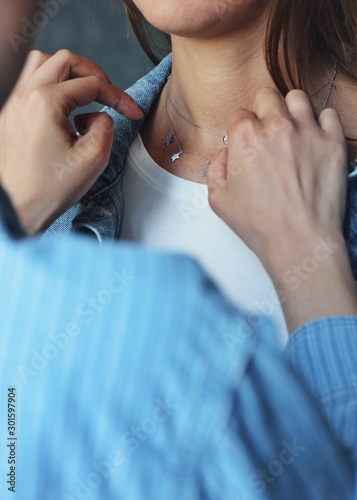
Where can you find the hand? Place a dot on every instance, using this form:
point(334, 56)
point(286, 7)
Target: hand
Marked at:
point(44, 166)
point(281, 187)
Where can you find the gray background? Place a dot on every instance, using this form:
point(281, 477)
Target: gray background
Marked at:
point(99, 30)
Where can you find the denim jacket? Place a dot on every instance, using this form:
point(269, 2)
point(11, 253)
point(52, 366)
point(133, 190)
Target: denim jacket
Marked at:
point(100, 211)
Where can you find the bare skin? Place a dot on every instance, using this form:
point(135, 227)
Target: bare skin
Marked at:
point(155, 128)
point(281, 187)
point(217, 74)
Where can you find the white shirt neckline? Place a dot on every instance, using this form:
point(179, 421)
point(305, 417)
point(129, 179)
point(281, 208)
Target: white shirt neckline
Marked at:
point(158, 176)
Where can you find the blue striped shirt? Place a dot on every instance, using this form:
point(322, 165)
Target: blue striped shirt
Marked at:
point(133, 378)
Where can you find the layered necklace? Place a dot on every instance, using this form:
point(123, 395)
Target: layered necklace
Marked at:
point(205, 161)
point(173, 137)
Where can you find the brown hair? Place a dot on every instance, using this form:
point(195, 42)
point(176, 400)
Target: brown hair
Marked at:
point(298, 31)
point(145, 32)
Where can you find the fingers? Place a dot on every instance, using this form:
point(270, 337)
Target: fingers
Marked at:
point(329, 121)
point(299, 107)
point(91, 151)
point(270, 106)
point(245, 132)
point(34, 60)
point(80, 82)
point(82, 91)
point(269, 102)
point(98, 133)
point(85, 122)
point(242, 127)
point(65, 65)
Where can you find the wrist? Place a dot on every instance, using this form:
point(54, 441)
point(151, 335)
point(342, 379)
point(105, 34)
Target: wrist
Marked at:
point(301, 254)
point(32, 214)
point(313, 278)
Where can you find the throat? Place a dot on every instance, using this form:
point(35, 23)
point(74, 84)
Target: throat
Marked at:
point(176, 143)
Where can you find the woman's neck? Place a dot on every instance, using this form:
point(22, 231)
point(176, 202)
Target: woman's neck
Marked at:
point(212, 78)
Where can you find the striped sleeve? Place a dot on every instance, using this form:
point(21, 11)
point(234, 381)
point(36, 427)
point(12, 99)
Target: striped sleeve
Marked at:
point(324, 354)
point(134, 378)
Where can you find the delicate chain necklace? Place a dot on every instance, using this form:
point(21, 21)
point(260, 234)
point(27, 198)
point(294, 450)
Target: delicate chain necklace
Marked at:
point(173, 137)
point(187, 120)
point(330, 87)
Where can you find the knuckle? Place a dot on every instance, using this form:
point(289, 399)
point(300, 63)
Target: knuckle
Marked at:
point(282, 123)
point(214, 196)
point(100, 73)
point(94, 81)
point(240, 124)
point(106, 124)
point(36, 57)
point(296, 94)
point(119, 98)
point(214, 191)
point(64, 54)
point(41, 97)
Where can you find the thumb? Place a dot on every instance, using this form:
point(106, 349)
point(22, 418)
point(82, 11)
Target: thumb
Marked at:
point(217, 175)
point(88, 155)
point(94, 145)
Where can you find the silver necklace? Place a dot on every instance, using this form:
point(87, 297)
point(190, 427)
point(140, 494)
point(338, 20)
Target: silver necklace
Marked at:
point(187, 120)
point(172, 136)
point(330, 87)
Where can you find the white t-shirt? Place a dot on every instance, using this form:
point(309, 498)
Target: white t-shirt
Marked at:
point(166, 212)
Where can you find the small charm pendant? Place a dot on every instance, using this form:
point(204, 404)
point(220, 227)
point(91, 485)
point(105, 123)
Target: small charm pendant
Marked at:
point(225, 140)
point(176, 157)
point(204, 170)
point(168, 140)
